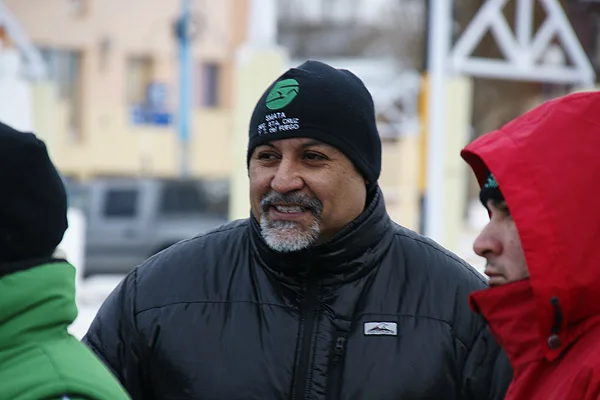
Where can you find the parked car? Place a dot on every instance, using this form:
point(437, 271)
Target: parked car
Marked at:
point(129, 219)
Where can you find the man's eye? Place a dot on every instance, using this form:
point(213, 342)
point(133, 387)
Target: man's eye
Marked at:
point(266, 156)
point(314, 156)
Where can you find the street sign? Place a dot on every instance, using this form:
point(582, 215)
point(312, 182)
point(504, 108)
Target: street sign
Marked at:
point(154, 110)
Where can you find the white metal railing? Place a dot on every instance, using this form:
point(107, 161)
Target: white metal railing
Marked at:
point(523, 50)
point(36, 67)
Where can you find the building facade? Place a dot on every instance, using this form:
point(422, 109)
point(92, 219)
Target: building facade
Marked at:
point(108, 103)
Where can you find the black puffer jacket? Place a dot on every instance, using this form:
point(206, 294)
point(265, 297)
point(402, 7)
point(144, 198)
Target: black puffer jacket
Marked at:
point(377, 313)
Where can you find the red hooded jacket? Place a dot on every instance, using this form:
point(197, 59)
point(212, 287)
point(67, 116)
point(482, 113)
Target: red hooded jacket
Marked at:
point(547, 165)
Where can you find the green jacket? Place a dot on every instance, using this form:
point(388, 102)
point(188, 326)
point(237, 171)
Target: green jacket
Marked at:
point(39, 359)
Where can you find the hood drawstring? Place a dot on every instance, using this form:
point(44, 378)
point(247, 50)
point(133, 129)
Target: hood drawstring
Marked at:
point(554, 340)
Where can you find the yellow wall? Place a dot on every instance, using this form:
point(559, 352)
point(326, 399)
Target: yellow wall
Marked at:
point(108, 143)
point(399, 179)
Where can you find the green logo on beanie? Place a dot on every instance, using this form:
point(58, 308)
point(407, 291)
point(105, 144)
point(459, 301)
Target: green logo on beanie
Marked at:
point(282, 94)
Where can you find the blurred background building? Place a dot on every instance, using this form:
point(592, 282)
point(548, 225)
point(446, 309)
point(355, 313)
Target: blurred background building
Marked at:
point(107, 102)
point(148, 164)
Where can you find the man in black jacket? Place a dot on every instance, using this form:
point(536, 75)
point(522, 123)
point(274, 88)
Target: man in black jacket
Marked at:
point(318, 295)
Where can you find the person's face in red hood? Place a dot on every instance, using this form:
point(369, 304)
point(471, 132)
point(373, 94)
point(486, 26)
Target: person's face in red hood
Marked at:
point(500, 245)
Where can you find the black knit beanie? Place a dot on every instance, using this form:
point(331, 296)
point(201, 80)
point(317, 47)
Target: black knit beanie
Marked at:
point(318, 101)
point(490, 191)
point(33, 202)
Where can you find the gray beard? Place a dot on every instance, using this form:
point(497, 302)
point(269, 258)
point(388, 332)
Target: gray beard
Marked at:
point(289, 236)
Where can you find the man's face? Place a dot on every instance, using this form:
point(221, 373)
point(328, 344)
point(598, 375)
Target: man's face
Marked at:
point(303, 192)
point(500, 244)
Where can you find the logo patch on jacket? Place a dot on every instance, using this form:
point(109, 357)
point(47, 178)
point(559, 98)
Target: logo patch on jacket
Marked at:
point(381, 328)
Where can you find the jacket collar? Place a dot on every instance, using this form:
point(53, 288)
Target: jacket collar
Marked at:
point(510, 312)
point(349, 254)
point(512, 315)
point(36, 304)
point(7, 268)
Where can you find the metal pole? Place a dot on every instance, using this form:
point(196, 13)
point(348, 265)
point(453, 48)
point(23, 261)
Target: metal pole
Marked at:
point(183, 120)
point(440, 20)
point(262, 24)
point(35, 63)
point(524, 25)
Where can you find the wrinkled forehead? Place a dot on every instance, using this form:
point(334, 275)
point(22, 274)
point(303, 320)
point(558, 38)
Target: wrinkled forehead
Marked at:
point(296, 143)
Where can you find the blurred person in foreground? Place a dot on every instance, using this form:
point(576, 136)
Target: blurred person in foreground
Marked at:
point(538, 177)
point(318, 295)
point(39, 359)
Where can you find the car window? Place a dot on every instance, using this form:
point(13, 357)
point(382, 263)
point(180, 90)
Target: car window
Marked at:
point(181, 198)
point(121, 203)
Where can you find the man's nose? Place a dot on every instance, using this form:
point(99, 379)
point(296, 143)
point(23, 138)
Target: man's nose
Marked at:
point(287, 178)
point(487, 243)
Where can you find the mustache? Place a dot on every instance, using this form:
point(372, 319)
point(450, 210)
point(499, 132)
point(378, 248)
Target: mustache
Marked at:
point(313, 204)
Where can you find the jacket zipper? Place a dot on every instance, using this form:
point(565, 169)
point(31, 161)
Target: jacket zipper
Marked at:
point(334, 385)
point(310, 316)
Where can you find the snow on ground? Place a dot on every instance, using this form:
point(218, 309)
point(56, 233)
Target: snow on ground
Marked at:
point(91, 293)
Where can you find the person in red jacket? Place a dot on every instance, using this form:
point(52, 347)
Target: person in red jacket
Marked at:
point(538, 175)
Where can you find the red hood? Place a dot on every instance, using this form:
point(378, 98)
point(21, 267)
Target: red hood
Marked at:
point(546, 163)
